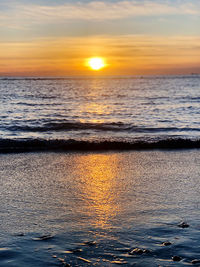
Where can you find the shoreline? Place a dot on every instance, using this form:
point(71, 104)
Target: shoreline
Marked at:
point(39, 145)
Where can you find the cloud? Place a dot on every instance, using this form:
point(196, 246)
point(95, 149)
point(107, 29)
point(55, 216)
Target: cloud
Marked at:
point(118, 46)
point(93, 10)
point(101, 10)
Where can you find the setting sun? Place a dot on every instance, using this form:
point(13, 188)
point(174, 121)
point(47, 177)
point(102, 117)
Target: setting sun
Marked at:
point(96, 63)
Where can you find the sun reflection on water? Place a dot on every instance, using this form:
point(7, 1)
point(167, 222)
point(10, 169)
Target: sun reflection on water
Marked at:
point(99, 187)
point(95, 108)
point(94, 112)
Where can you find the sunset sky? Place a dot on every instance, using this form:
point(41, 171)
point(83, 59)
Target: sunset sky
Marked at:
point(135, 37)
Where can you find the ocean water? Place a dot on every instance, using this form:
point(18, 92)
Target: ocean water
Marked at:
point(124, 112)
point(64, 207)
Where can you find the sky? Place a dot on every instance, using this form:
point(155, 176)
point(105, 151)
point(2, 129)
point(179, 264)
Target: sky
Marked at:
point(135, 37)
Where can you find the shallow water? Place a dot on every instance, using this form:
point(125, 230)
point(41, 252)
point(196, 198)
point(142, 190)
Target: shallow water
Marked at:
point(52, 204)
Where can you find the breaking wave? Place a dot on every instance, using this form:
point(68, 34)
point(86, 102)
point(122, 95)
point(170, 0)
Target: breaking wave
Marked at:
point(36, 145)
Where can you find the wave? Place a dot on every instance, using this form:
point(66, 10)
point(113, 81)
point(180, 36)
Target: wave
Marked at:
point(73, 126)
point(37, 145)
point(62, 126)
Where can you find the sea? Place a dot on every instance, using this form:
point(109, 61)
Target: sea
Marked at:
point(100, 171)
point(81, 113)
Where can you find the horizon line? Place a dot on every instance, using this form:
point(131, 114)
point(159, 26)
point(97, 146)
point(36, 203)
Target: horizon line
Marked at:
point(97, 76)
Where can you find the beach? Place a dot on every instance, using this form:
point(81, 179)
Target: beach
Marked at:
point(99, 133)
point(95, 208)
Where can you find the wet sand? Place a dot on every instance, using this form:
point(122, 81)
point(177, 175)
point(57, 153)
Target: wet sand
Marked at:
point(100, 209)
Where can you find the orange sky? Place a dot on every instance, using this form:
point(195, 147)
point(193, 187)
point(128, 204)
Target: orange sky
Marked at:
point(124, 55)
point(134, 37)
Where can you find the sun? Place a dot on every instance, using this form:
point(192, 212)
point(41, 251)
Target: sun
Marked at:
point(96, 63)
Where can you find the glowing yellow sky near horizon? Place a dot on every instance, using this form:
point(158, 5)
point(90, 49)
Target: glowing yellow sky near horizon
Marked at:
point(131, 54)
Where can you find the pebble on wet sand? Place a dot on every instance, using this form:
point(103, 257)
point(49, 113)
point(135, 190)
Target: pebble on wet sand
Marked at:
point(183, 225)
point(166, 243)
point(138, 251)
point(64, 263)
point(176, 258)
point(43, 237)
point(77, 250)
point(90, 243)
point(20, 234)
point(61, 260)
point(196, 261)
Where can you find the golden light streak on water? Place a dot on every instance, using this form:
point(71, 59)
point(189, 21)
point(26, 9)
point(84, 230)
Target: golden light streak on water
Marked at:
point(100, 187)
